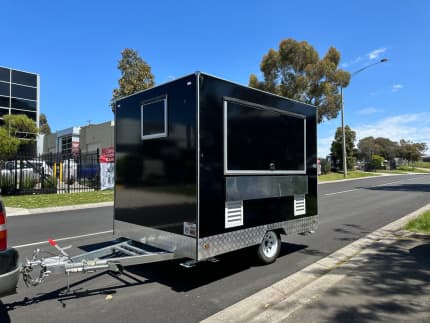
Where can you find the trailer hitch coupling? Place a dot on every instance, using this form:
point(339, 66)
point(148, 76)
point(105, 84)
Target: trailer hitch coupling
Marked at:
point(46, 265)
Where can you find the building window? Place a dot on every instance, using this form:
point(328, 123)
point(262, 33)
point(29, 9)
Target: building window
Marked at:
point(4, 102)
point(19, 93)
point(66, 144)
point(4, 74)
point(3, 112)
point(25, 92)
point(24, 104)
point(4, 88)
point(24, 78)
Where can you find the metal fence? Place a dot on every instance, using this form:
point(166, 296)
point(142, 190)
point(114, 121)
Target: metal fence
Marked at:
point(50, 173)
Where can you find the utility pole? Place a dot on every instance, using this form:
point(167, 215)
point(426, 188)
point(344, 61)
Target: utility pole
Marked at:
point(345, 171)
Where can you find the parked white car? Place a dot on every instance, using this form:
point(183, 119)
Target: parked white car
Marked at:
point(33, 168)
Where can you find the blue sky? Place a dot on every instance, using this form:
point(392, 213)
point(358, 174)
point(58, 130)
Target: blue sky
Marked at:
point(75, 47)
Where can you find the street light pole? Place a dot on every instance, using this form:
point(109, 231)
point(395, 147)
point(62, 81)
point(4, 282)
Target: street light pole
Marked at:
point(345, 171)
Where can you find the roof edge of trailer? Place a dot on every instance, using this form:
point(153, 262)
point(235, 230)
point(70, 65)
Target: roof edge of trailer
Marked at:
point(265, 92)
point(219, 78)
point(161, 84)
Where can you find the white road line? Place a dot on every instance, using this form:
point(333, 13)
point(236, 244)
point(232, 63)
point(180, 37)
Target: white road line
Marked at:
point(341, 192)
point(385, 184)
point(62, 239)
point(379, 185)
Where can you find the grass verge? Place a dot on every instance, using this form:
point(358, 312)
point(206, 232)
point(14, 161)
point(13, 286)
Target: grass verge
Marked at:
point(415, 169)
point(49, 200)
point(422, 164)
point(336, 176)
point(420, 224)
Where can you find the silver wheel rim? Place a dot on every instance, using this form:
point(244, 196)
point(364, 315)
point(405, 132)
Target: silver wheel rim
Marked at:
point(270, 244)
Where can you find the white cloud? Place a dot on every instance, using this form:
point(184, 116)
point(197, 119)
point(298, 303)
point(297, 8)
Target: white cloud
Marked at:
point(368, 111)
point(415, 127)
point(396, 87)
point(354, 61)
point(374, 54)
point(324, 145)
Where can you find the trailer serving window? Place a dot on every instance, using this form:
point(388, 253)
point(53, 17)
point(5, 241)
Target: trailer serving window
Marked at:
point(263, 140)
point(154, 118)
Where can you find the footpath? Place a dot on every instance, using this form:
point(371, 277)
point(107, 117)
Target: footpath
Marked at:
point(384, 277)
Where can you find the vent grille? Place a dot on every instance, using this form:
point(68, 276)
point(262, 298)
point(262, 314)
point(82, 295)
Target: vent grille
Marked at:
point(299, 205)
point(233, 214)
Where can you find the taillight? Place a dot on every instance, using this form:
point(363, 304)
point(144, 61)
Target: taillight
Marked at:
point(3, 231)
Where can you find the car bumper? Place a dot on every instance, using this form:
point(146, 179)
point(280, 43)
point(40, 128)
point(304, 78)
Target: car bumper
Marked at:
point(9, 272)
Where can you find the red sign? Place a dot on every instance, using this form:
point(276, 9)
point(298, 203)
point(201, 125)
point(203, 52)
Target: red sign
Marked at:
point(75, 147)
point(108, 155)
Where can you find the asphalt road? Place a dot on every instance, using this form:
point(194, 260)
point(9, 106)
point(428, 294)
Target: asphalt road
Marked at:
point(167, 292)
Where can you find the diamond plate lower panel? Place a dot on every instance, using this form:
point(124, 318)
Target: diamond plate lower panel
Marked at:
point(226, 242)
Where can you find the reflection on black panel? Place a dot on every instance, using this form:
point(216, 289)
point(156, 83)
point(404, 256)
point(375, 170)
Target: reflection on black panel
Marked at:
point(4, 102)
point(264, 140)
point(4, 89)
point(153, 120)
point(24, 104)
point(24, 92)
point(4, 74)
point(24, 78)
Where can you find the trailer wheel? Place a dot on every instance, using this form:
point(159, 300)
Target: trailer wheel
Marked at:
point(269, 248)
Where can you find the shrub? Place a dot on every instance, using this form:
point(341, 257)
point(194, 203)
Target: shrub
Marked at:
point(377, 162)
point(325, 166)
point(49, 182)
point(6, 185)
point(28, 183)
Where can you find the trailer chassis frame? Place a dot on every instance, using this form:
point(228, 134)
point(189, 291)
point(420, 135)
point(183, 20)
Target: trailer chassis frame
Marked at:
point(112, 258)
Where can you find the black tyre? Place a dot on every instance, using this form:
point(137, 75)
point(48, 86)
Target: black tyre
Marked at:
point(269, 248)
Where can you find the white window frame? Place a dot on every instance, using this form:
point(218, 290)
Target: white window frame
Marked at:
point(261, 172)
point(154, 135)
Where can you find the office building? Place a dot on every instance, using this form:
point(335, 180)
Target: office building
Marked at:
point(19, 93)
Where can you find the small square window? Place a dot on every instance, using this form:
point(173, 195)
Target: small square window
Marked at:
point(154, 119)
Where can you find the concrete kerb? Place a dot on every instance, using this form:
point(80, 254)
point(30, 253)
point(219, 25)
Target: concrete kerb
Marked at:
point(278, 301)
point(20, 211)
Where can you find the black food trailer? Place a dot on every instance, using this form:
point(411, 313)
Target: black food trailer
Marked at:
point(204, 166)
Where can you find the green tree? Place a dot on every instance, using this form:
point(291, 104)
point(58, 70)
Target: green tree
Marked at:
point(20, 126)
point(17, 131)
point(411, 151)
point(8, 145)
point(136, 75)
point(336, 146)
point(387, 148)
point(366, 148)
point(296, 71)
point(44, 127)
point(384, 147)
